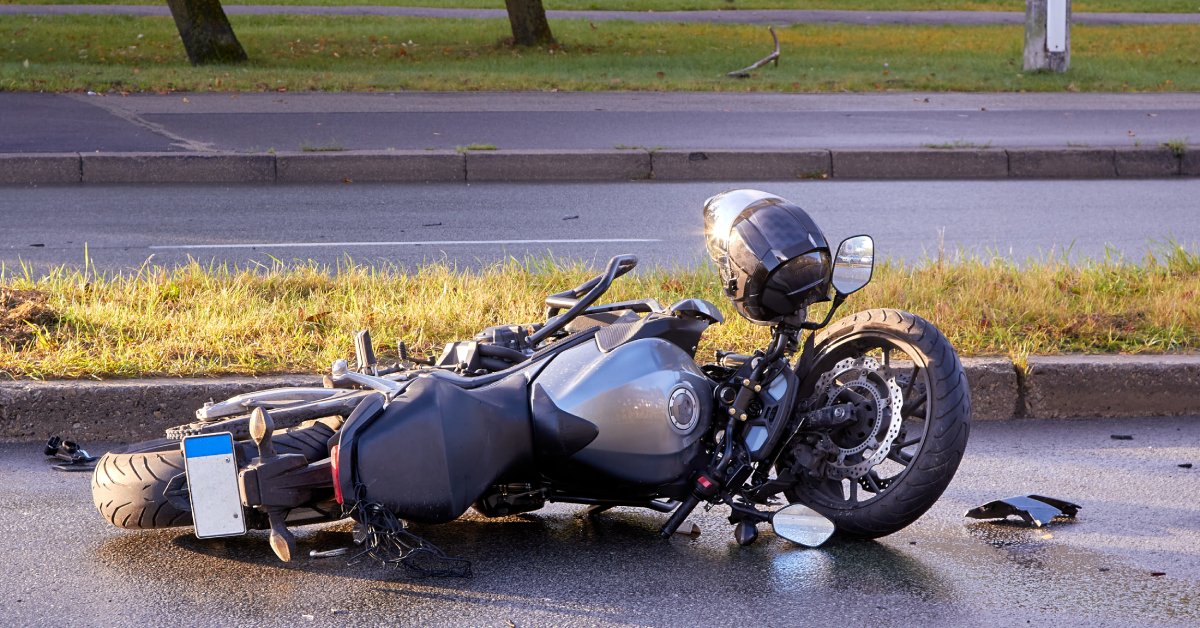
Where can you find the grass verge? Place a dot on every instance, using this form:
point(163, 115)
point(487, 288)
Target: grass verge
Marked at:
point(1131, 6)
point(195, 320)
point(131, 54)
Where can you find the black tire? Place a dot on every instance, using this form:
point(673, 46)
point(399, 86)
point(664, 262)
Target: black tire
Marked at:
point(128, 487)
point(934, 380)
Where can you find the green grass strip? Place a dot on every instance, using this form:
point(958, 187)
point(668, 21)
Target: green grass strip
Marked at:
point(128, 54)
point(197, 320)
point(1126, 6)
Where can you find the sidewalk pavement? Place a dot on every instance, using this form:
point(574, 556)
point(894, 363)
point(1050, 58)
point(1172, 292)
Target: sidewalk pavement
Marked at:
point(1058, 387)
point(763, 16)
point(613, 136)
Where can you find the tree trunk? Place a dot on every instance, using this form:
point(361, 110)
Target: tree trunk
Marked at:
point(205, 31)
point(528, 21)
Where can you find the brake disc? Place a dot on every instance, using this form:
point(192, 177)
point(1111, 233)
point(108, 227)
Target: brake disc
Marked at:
point(866, 377)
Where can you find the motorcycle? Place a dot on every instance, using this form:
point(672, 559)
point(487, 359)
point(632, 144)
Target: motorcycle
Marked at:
point(858, 425)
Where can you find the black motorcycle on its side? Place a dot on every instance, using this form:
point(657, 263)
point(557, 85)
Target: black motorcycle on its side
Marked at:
point(859, 424)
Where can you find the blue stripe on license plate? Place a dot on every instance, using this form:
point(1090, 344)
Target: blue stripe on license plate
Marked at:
point(215, 445)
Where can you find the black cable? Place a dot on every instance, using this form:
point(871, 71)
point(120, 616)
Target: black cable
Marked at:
point(389, 543)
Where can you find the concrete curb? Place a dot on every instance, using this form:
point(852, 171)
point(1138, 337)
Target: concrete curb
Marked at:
point(125, 410)
point(1060, 387)
point(551, 165)
point(595, 165)
point(920, 164)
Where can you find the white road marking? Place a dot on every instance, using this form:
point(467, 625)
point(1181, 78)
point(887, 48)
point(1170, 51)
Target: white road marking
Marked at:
point(282, 245)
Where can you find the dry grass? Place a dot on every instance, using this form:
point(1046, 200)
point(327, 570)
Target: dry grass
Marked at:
point(208, 321)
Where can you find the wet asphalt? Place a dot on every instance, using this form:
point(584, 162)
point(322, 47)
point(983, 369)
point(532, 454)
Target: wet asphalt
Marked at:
point(1131, 558)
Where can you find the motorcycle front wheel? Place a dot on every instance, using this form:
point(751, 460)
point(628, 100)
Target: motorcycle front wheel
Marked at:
point(883, 472)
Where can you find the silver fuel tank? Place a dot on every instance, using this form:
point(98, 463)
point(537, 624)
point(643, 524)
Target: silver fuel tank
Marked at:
point(648, 399)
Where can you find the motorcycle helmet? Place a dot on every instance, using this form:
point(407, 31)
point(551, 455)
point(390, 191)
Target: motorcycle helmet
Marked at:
point(773, 259)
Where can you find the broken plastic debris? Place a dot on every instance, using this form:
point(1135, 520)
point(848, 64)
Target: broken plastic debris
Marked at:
point(1036, 510)
point(1121, 436)
point(72, 456)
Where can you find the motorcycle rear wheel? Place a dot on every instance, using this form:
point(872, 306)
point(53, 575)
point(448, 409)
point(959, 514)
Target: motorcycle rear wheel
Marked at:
point(935, 423)
point(129, 486)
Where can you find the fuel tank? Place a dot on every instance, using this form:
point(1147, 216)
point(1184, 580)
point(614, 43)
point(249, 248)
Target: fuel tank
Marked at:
point(648, 400)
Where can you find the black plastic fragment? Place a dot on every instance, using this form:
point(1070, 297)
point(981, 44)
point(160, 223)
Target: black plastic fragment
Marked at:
point(1036, 510)
point(1186, 465)
point(73, 458)
point(1121, 436)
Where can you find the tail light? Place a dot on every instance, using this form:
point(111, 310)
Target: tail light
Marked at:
point(333, 466)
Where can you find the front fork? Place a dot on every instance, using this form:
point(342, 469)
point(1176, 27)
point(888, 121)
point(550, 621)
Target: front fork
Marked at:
point(719, 482)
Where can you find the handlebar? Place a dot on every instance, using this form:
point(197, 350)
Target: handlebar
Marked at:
point(580, 297)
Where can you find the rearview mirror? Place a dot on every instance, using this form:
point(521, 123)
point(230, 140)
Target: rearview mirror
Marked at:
point(802, 525)
point(853, 265)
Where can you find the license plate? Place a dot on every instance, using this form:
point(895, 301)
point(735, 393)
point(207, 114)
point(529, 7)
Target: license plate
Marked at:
point(212, 476)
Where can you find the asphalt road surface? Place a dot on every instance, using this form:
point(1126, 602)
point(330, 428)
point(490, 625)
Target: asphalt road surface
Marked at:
point(1131, 558)
point(259, 122)
point(123, 226)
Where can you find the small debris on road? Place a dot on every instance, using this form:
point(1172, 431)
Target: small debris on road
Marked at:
point(329, 553)
point(1186, 465)
point(1121, 436)
point(571, 217)
point(1158, 573)
point(38, 245)
point(1036, 510)
point(432, 224)
point(74, 458)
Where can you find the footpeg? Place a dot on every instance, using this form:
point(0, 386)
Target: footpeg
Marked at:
point(261, 429)
point(283, 543)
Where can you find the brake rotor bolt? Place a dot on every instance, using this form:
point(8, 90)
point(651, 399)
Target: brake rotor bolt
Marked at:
point(757, 388)
point(732, 411)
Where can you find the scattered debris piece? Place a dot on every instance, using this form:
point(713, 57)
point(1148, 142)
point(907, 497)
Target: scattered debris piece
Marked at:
point(1121, 436)
point(571, 217)
point(39, 245)
point(1186, 465)
point(74, 458)
point(1104, 569)
point(689, 529)
point(1158, 573)
point(1034, 509)
point(432, 224)
point(774, 56)
point(329, 553)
